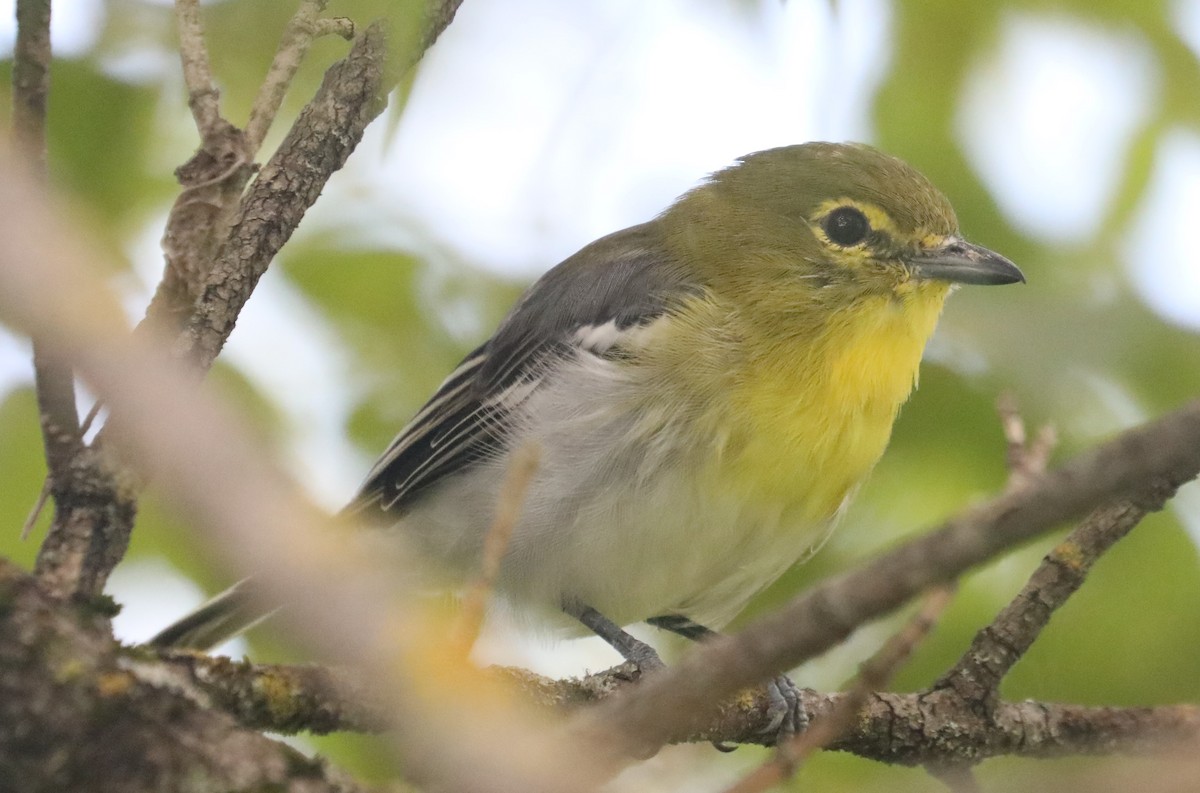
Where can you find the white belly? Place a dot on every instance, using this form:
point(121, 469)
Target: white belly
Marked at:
point(616, 517)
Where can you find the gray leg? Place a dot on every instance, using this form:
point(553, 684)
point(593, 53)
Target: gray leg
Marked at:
point(631, 649)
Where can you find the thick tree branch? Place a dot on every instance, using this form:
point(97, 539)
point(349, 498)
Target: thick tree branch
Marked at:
point(1162, 453)
point(438, 16)
point(76, 717)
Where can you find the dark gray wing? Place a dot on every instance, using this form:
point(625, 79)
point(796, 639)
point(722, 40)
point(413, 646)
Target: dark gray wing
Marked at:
point(619, 281)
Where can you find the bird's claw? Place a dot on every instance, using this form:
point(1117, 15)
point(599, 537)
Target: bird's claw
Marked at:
point(787, 716)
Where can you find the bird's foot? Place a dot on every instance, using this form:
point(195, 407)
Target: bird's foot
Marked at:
point(785, 710)
point(645, 658)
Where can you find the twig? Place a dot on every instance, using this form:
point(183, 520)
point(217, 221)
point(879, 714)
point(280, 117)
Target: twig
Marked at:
point(36, 511)
point(495, 543)
point(31, 80)
point(1025, 460)
point(1166, 450)
point(353, 93)
point(54, 382)
point(203, 96)
point(977, 675)
point(53, 379)
point(304, 26)
point(873, 675)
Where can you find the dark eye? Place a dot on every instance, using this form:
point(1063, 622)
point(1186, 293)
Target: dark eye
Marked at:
point(846, 226)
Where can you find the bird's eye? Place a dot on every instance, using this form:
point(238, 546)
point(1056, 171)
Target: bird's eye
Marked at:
point(846, 226)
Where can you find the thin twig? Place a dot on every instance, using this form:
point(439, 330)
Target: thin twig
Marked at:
point(874, 674)
point(36, 511)
point(495, 544)
point(31, 81)
point(53, 379)
point(304, 26)
point(203, 96)
point(1025, 460)
point(996, 648)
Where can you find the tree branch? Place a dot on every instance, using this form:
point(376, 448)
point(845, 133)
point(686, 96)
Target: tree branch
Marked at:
point(77, 717)
point(203, 96)
point(977, 675)
point(66, 554)
point(329, 128)
point(53, 380)
point(304, 26)
point(911, 729)
point(874, 674)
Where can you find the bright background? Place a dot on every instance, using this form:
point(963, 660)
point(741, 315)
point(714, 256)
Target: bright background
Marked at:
point(1067, 134)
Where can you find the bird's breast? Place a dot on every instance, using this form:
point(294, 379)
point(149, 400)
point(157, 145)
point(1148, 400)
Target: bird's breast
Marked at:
point(810, 416)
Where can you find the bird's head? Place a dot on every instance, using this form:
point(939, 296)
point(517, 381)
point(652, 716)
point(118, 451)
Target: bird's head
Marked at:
point(834, 220)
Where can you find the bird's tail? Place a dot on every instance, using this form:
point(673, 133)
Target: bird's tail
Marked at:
point(225, 616)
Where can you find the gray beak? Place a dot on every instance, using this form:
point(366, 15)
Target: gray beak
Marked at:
point(961, 262)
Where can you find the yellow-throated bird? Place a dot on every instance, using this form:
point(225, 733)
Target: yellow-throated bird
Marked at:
point(706, 390)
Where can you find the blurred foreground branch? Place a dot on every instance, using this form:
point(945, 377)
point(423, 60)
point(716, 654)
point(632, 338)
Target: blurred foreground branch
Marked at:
point(206, 463)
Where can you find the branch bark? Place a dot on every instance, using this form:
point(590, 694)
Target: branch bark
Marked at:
point(353, 93)
point(977, 675)
point(53, 380)
point(925, 728)
point(63, 685)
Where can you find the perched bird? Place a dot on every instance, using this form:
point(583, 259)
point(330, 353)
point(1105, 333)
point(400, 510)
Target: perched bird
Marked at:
point(707, 390)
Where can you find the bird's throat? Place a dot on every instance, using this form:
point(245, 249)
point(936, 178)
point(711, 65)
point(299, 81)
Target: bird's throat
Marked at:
point(813, 415)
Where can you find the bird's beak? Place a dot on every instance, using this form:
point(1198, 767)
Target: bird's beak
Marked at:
point(960, 262)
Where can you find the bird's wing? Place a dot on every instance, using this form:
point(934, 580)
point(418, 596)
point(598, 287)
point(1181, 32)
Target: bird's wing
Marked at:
point(584, 305)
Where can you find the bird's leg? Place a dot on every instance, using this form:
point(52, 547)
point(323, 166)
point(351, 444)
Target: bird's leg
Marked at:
point(631, 649)
point(787, 717)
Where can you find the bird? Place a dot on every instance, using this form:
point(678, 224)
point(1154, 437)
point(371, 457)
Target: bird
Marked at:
point(706, 391)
